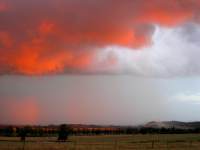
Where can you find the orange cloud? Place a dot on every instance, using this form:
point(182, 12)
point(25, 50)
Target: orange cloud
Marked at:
point(65, 36)
point(46, 27)
point(5, 40)
point(3, 7)
point(166, 18)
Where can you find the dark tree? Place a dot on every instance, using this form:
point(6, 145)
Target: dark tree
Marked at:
point(63, 132)
point(9, 131)
point(23, 132)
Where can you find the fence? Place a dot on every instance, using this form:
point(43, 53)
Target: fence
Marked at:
point(114, 145)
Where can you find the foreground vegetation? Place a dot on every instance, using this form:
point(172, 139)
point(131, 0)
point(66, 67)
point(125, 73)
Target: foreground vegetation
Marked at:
point(105, 142)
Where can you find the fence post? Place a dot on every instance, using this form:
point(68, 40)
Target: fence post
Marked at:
point(152, 146)
point(23, 148)
point(190, 144)
point(116, 145)
point(167, 145)
point(75, 145)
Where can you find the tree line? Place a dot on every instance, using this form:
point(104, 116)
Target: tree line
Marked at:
point(29, 131)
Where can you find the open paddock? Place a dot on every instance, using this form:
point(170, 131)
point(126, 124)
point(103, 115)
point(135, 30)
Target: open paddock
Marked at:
point(106, 142)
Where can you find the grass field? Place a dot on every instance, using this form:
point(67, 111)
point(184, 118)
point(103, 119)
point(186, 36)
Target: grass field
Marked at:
point(106, 142)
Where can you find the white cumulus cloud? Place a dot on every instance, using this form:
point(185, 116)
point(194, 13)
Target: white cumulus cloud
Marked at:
point(173, 52)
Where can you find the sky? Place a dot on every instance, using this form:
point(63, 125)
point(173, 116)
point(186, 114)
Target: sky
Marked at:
point(99, 61)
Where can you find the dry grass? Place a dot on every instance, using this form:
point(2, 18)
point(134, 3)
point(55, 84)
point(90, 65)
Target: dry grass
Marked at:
point(106, 142)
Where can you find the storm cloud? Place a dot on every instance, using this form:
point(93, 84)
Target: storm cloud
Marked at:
point(71, 36)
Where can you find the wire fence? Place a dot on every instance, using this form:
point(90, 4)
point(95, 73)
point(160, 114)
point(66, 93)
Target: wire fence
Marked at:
point(114, 145)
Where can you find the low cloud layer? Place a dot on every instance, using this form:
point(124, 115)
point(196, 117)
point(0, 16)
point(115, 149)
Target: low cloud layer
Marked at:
point(187, 97)
point(73, 36)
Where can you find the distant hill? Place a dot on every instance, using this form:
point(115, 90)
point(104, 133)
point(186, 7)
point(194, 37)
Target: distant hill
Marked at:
point(171, 124)
point(152, 124)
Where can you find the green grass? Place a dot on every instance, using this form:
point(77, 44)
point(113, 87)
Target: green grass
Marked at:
point(106, 142)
